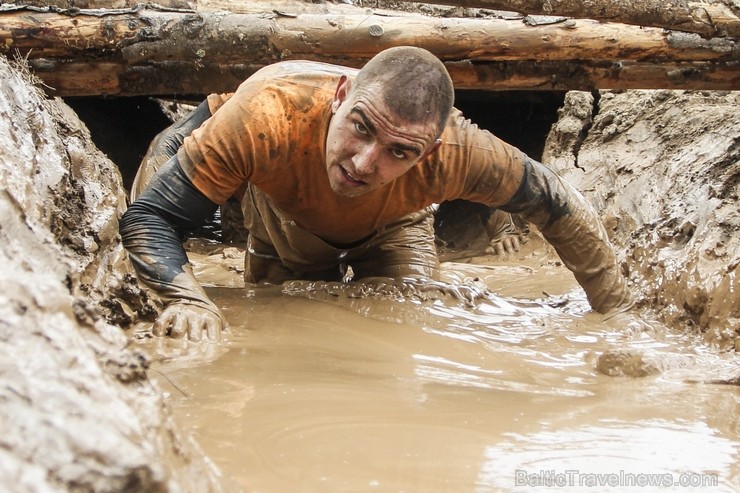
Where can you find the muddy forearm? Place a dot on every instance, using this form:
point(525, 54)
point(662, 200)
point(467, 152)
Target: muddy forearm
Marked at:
point(583, 245)
point(153, 229)
point(572, 226)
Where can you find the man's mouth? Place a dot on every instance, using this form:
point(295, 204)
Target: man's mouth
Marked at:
point(348, 176)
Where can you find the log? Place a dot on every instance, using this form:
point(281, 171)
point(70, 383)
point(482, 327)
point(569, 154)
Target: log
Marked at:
point(713, 18)
point(145, 50)
point(175, 79)
point(148, 34)
point(717, 18)
point(588, 76)
point(235, 6)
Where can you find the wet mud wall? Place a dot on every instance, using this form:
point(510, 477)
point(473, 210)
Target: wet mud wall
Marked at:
point(663, 169)
point(78, 411)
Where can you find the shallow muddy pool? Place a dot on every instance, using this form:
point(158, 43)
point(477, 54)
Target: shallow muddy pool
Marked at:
point(492, 386)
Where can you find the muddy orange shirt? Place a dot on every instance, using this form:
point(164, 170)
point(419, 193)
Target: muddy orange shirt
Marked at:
point(272, 132)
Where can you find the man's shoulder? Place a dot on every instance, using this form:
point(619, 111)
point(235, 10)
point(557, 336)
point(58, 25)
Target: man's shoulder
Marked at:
point(308, 67)
point(286, 87)
point(301, 72)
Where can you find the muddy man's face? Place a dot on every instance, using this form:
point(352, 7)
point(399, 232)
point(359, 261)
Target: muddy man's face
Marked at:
point(367, 146)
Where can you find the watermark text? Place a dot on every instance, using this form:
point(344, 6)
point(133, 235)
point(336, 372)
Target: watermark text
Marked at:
point(575, 477)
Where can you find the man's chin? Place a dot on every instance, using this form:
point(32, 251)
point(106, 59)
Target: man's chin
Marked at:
point(341, 185)
point(345, 191)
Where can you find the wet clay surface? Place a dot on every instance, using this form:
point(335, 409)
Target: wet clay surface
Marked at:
point(330, 387)
point(663, 169)
point(77, 411)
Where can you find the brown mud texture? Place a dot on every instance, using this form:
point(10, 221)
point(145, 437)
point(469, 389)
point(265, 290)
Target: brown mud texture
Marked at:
point(80, 412)
point(663, 169)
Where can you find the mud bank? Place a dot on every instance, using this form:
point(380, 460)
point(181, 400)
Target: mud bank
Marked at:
point(663, 169)
point(78, 410)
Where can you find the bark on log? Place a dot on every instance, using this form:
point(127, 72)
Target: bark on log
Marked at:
point(235, 6)
point(172, 79)
point(713, 18)
point(150, 51)
point(709, 19)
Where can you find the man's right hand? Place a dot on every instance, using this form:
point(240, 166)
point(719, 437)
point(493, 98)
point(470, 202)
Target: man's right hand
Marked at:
point(505, 237)
point(185, 320)
point(506, 244)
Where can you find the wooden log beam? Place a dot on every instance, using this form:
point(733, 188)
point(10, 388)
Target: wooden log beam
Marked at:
point(172, 79)
point(714, 18)
point(101, 52)
point(709, 18)
point(142, 34)
point(586, 76)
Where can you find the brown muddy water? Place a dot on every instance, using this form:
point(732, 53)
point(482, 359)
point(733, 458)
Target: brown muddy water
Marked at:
point(491, 386)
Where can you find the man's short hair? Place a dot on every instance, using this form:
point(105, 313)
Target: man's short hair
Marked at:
point(416, 84)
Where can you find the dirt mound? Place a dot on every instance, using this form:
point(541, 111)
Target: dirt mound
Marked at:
point(663, 167)
point(80, 413)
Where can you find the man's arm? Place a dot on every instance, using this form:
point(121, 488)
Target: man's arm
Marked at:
point(153, 229)
point(571, 225)
point(482, 168)
point(165, 145)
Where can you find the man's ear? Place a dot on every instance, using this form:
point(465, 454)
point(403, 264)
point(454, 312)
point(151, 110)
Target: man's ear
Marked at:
point(340, 94)
point(432, 149)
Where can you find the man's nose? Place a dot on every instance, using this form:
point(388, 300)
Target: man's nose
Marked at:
point(365, 159)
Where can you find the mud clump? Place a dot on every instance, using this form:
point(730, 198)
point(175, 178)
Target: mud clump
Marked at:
point(687, 368)
point(625, 364)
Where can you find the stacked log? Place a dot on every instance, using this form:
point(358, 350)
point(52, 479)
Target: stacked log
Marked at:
point(148, 50)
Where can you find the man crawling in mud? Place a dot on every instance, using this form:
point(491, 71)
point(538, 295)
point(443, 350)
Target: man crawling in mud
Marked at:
point(336, 168)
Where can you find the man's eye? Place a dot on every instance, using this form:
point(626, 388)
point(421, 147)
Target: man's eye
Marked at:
point(360, 128)
point(399, 153)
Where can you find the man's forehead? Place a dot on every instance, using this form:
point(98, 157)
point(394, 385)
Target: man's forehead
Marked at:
point(412, 135)
point(372, 105)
